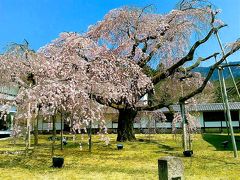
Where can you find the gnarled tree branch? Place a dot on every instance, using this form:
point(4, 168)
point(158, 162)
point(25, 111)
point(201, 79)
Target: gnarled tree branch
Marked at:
point(197, 63)
point(213, 67)
point(160, 76)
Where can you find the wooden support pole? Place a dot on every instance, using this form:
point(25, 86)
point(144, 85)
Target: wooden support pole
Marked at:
point(228, 113)
point(184, 125)
point(61, 131)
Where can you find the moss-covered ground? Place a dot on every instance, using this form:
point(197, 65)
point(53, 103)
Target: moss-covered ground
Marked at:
point(137, 160)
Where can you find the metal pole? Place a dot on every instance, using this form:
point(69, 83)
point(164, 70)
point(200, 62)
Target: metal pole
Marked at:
point(228, 113)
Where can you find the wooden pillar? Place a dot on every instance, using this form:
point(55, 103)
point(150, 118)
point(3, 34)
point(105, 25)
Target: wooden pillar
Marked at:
point(61, 131)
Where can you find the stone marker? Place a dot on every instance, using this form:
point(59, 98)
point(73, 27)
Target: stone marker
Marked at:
point(170, 168)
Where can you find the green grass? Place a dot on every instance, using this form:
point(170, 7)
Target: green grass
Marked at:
point(138, 160)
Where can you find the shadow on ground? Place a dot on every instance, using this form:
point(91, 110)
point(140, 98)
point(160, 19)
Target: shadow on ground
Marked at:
point(219, 141)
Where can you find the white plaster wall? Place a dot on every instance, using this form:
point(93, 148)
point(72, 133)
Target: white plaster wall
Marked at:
point(48, 126)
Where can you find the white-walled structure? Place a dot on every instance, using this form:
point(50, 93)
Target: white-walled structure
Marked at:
point(209, 115)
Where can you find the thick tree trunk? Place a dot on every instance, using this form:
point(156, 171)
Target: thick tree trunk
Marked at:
point(125, 125)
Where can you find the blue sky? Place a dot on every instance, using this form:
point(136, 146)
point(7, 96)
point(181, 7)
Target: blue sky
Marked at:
point(40, 21)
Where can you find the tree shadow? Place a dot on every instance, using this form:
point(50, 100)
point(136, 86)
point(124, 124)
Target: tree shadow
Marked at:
point(156, 142)
point(219, 141)
point(164, 148)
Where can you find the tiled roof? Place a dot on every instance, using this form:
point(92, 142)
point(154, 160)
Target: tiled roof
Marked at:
point(206, 107)
point(217, 106)
point(199, 107)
